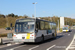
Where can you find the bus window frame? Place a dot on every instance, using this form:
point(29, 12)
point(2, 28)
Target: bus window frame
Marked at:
point(43, 25)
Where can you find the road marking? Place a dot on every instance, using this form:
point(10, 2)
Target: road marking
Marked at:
point(51, 47)
point(60, 47)
point(72, 48)
point(5, 46)
point(72, 45)
point(8, 44)
point(16, 47)
point(68, 34)
point(34, 47)
point(16, 43)
point(69, 47)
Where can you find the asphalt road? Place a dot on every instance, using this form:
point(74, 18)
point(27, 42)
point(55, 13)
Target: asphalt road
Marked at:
point(60, 43)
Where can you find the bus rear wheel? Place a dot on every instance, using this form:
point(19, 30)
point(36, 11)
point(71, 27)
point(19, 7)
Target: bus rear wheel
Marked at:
point(42, 39)
point(54, 35)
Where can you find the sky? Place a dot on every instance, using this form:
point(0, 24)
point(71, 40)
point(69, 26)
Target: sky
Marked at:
point(44, 8)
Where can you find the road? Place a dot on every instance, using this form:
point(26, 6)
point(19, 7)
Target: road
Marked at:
point(60, 43)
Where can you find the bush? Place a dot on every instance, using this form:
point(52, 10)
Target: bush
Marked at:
point(60, 29)
point(3, 35)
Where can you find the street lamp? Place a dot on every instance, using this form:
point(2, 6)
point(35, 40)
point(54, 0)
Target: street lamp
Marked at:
point(58, 24)
point(7, 20)
point(35, 8)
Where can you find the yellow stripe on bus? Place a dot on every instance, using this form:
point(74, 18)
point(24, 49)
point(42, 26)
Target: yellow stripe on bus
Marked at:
point(28, 36)
point(66, 30)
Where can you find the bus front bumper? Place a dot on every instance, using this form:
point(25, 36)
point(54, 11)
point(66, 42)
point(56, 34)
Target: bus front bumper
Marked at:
point(23, 40)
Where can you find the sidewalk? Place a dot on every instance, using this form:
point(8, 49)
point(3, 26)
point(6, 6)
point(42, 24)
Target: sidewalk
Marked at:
point(6, 40)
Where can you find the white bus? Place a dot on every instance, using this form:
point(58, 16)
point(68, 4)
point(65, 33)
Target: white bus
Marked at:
point(66, 29)
point(34, 30)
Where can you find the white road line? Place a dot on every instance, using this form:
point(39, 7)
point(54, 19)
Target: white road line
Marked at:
point(50, 47)
point(34, 47)
point(70, 43)
point(16, 47)
point(5, 46)
point(72, 48)
point(68, 34)
point(8, 45)
point(16, 43)
point(60, 47)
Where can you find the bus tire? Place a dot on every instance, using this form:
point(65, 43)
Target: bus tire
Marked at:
point(42, 38)
point(54, 36)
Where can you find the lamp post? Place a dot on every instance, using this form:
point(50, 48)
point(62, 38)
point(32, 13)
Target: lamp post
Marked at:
point(58, 25)
point(35, 8)
point(7, 20)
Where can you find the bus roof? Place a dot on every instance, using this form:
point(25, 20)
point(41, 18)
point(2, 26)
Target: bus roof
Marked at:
point(36, 19)
point(45, 20)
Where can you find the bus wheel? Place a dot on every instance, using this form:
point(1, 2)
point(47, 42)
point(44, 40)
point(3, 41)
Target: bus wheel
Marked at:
point(42, 39)
point(54, 35)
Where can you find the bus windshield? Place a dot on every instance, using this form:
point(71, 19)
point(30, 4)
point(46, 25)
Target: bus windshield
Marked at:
point(65, 28)
point(24, 27)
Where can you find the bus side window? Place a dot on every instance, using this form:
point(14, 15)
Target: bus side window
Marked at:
point(42, 25)
point(46, 26)
point(37, 25)
point(49, 25)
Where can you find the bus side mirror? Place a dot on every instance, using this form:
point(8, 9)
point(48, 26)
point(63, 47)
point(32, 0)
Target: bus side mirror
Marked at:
point(36, 30)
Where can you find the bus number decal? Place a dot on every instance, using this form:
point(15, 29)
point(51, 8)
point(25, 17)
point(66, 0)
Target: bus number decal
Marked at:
point(28, 36)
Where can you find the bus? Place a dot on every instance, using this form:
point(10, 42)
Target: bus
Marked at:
point(66, 29)
point(33, 30)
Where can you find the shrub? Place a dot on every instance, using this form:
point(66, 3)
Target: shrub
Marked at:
point(60, 29)
point(3, 35)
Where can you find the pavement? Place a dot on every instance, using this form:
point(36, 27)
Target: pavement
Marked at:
point(62, 42)
point(6, 40)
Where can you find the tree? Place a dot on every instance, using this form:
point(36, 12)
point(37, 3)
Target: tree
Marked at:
point(25, 16)
point(11, 15)
point(16, 15)
point(1, 15)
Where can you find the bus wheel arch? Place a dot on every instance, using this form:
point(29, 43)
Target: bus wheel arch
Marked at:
point(42, 37)
point(54, 35)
